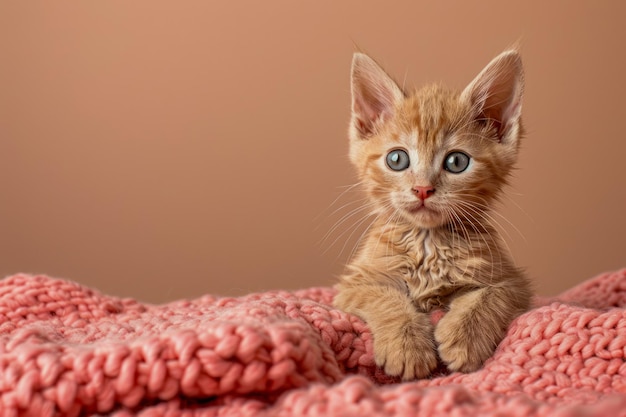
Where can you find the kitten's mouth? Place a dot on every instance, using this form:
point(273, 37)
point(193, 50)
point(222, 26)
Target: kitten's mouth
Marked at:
point(420, 208)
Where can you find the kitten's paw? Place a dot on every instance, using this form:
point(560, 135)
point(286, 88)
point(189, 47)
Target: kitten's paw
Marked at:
point(406, 351)
point(464, 345)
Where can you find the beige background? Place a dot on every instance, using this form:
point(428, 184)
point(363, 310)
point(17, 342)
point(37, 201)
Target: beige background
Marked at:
point(164, 149)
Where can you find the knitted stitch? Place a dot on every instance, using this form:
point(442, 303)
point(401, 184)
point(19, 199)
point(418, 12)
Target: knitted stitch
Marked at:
point(69, 350)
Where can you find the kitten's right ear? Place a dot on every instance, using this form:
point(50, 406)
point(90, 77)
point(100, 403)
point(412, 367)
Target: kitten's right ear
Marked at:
point(374, 96)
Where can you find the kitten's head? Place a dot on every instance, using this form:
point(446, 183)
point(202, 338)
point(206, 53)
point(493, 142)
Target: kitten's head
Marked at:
point(435, 156)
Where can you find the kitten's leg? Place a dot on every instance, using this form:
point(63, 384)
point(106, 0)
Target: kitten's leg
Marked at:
point(403, 337)
point(470, 332)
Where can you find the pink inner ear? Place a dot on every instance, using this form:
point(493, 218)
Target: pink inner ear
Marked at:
point(513, 110)
point(500, 104)
point(496, 93)
point(362, 127)
point(370, 109)
point(365, 116)
point(374, 94)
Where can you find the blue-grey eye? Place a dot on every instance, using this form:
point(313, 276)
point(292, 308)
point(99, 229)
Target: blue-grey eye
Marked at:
point(456, 162)
point(398, 160)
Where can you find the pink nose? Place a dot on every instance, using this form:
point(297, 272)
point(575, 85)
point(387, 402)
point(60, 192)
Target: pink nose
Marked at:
point(423, 192)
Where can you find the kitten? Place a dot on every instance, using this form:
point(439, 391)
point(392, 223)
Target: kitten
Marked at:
point(433, 162)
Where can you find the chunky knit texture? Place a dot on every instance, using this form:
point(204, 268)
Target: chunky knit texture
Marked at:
point(69, 350)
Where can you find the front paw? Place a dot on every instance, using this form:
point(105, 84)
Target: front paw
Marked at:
point(465, 344)
point(407, 350)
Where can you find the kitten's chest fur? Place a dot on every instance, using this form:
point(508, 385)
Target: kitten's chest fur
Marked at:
point(434, 265)
point(430, 268)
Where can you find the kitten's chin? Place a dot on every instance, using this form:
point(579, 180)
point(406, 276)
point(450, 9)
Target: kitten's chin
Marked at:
point(425, 217)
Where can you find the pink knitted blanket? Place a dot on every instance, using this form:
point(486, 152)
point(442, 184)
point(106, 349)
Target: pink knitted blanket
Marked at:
point(69, 350)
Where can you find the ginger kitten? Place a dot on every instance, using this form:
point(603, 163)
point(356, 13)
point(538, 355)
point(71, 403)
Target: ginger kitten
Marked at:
point(433, 162)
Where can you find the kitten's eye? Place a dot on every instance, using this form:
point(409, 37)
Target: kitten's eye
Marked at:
point(398, 160)
point(456, 162)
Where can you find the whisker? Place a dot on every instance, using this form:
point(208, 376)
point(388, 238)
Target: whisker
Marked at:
point(363, 208)
point(473, 224)
point(484, 208)
point(486, 217)
point(517, 205)
point(355, 247)
point(390, 219)
point(454, 218)
point(348, 188)
point(354, 229)
point(349, 203)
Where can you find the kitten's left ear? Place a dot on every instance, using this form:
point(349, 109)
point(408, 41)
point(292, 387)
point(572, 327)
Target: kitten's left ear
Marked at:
point(496, 94)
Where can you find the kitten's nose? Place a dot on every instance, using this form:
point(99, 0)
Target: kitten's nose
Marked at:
point(423, 192)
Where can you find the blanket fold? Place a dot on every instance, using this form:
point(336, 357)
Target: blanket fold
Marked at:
point(69, 350)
